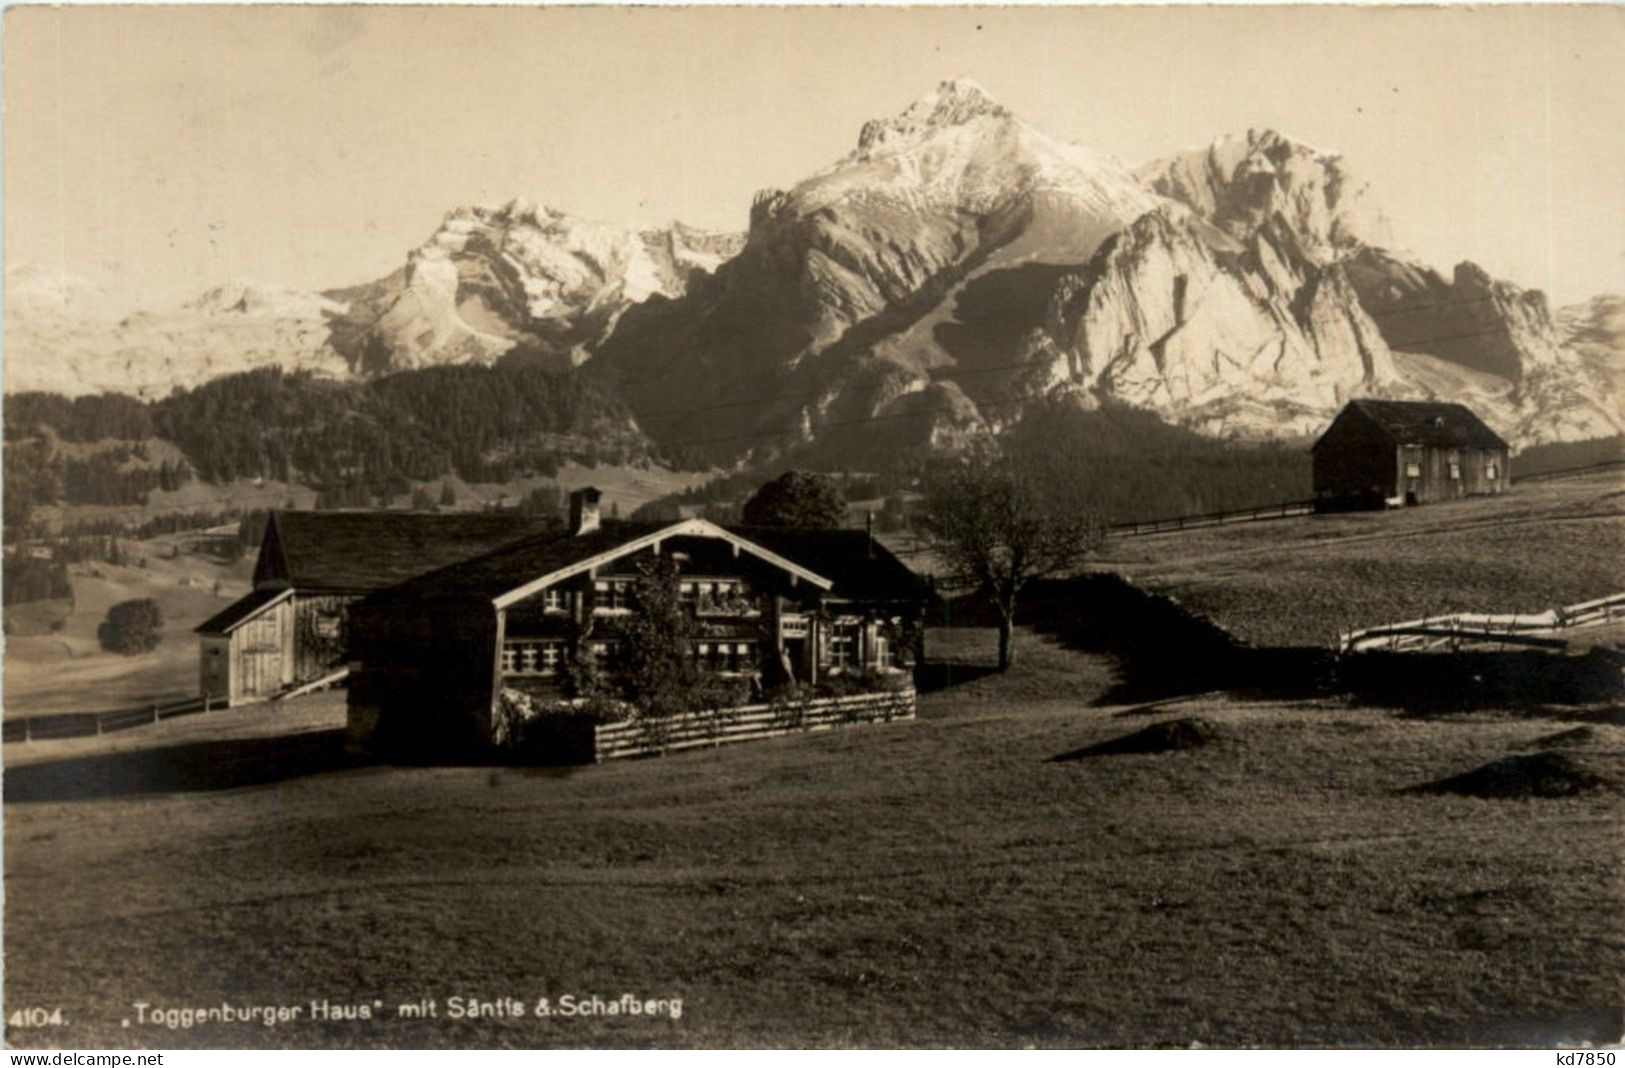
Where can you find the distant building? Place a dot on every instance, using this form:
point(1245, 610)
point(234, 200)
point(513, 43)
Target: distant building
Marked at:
point(312, 567)
point(433, 656)
point(1381, 453)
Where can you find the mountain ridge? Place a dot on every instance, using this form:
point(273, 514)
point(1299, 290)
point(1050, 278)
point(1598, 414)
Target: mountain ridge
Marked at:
point(952, 269)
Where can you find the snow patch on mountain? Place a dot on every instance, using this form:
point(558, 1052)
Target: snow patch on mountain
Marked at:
point(65, 338)
point(496, 278)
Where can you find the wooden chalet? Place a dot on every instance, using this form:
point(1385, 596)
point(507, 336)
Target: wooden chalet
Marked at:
point(312, 566)
point(1380, 453)
point(432, 656)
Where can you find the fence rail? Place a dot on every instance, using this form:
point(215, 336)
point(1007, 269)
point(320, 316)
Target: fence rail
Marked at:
point(1289, 509)
point(1214, 519)
point(749, 723)
point(1569, 472)
point(1476, 628)
point(79, 724)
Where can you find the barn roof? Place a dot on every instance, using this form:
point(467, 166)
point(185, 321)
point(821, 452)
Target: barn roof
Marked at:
point(241, 611)
point(373, 550)
point(1434, 423)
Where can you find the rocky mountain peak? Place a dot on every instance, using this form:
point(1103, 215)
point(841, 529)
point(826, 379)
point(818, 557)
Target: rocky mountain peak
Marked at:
point(955, 102)
point(1243, 183)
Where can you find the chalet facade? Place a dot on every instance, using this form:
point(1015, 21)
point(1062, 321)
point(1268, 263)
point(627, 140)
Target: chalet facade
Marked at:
point(312, 566)
point(432, 657)
point(1380, 453)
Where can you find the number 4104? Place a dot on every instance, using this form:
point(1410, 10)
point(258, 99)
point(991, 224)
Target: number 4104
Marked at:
point(35, 1017)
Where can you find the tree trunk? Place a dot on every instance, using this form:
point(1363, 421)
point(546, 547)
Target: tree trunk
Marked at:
point(1007, 643)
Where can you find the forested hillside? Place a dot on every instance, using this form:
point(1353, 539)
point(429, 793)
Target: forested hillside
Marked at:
point(1126, 464)
point(351, 441)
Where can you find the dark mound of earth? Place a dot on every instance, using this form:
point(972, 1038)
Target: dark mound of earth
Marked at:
point(1544, 774)
point(1575, 737)
point(1164, 737)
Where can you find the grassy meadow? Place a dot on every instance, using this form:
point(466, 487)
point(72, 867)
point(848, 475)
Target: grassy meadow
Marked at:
point(1302, 581)
point(966, 878)
point(68, 671)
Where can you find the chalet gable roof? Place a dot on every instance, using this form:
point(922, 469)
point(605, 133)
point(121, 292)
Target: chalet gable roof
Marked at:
point(521, 570)
point(361, 551)
point(1431, 423)
point(860, 567)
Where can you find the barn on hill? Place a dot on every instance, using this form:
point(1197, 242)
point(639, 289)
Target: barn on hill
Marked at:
point(434, 657)
point(312, 566)
point(1380, 453)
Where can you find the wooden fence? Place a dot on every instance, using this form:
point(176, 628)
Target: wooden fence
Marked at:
point(1530, 630)
point(79, 724)
point(1289, 509)
point(748, 723)
point(1213, 519)
point(1568, 472)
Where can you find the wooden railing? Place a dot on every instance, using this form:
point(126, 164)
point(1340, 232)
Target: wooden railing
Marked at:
point(749, 723)
point(1289, 509)
point(332, 678)
point(1529, 629)
point(1568, 472)
point(1213, 519)
point(79, 724)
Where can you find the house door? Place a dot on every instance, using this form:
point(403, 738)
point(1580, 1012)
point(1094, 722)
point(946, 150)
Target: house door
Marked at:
point(793, 658)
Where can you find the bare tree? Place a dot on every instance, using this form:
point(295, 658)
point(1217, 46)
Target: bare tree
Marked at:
point(996, 526)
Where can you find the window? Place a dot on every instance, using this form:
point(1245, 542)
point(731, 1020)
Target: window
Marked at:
point(1413, 470)
point(1455, 469)
point(1492, 470)
point(612, 595)
point(532, 658)
point(843, 645)
point(726, 656)
point(555, 600)
point(601, 651)
point(719, 597)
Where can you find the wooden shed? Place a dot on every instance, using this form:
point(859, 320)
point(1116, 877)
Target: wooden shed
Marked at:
point(246, 651)
point(1381, 453)
point(312, 566)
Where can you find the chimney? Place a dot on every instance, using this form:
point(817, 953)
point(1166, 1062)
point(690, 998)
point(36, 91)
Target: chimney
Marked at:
point(584, 517)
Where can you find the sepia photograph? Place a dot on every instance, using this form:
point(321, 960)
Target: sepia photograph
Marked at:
point(833, 527)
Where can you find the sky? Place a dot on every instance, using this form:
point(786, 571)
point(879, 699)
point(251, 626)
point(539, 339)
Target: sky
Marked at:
point(160, 151)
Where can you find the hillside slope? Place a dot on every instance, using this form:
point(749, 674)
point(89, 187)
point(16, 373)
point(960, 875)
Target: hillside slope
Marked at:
point(1303, 581)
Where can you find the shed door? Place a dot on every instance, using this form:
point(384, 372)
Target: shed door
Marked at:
point(262, 657)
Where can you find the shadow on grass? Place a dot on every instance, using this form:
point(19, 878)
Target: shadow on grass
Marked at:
point(932, 677)
point(1538, 684)
point(195, 766)
point(1161, 650)
point(1167, 737)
